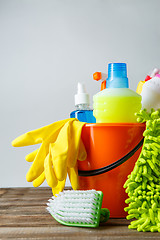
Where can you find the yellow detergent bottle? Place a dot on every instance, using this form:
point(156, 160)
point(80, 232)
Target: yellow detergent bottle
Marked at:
point(116, 103)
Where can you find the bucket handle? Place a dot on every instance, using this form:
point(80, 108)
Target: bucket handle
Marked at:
point(112, 165)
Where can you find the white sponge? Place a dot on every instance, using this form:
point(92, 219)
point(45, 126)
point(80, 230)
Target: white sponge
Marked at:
point(151, 94)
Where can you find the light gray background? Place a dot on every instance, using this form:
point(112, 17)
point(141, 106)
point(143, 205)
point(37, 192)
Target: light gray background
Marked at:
point(47, 46)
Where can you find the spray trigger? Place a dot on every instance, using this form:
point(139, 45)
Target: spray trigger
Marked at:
point(100, 76)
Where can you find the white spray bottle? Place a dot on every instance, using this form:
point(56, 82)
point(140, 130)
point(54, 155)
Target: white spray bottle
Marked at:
point(82, 111)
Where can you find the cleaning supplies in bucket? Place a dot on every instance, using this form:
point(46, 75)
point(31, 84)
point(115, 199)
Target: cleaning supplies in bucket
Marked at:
point(78, 208)
point(61, 146)
point(83, 111)
point(143, 184)
point(117, 103)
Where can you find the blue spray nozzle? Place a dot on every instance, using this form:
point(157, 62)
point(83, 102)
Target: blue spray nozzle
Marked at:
point(117, 75)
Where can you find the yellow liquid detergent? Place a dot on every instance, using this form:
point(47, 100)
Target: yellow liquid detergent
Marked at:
point(117, 103)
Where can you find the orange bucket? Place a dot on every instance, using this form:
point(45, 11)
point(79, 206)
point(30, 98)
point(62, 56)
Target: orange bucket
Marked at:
point(112, 150)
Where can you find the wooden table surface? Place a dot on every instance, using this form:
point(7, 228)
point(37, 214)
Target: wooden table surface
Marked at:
point(23, 215)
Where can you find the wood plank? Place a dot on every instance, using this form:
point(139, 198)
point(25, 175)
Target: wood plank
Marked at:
point(62, 232)
point(23, 215)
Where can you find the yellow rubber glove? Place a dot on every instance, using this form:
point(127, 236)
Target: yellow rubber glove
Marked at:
point(44, 135)
point(49, 172)
point(65, 151)
point(61, 147)
point(73, 176)
point(62, 158)
point(39, 180)
point(72, 172)
point(49, 175)
point(59, 188)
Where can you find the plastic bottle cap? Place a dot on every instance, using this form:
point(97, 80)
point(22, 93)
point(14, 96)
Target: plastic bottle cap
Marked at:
point(117, 75)
point(82, 97)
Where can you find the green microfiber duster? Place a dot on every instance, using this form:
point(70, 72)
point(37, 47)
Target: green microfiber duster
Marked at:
point(143, 184)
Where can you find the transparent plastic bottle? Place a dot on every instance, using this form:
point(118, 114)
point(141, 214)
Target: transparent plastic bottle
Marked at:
point(117, 103)
point(82, 111)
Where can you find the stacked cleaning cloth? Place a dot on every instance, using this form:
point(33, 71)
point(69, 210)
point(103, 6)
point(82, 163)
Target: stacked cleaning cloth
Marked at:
point(61, 146)
point(143, 184)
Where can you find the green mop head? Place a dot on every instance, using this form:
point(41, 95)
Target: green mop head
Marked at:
point(143, 184)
